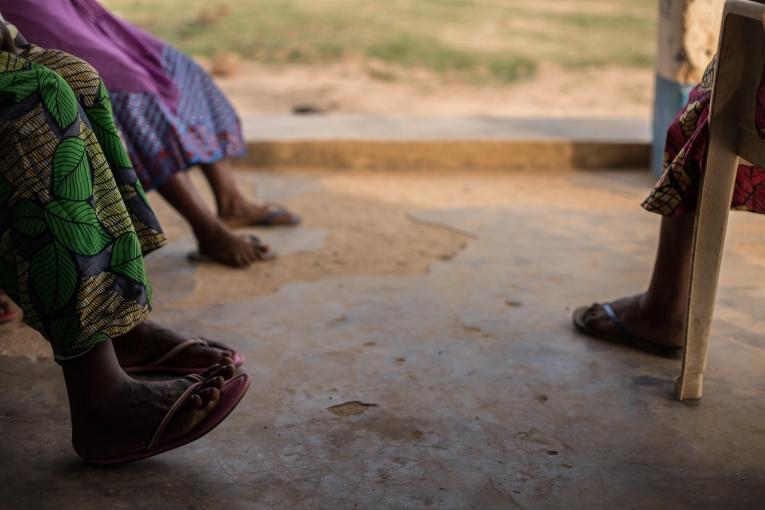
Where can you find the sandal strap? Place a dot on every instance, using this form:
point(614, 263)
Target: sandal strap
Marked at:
point(265, 252)
point(616, 322)
point(276, 210)
point(275, 206)
point(217, 345)
point(171, 413)
point(255, 240)
point(175, 351)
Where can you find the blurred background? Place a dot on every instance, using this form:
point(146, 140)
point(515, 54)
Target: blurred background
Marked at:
point(528, 58)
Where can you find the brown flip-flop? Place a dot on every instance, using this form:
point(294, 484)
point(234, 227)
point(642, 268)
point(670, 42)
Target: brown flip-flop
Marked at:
point(230, 395)
point(164, 365)
point(624, 337)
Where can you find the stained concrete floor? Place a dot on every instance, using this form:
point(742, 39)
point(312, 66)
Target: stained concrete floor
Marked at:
point(443, 301)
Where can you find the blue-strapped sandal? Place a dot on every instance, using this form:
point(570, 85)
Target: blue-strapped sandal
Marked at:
point(624, 337)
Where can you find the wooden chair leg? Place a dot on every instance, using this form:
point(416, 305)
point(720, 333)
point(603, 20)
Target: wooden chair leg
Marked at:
point(708, 241)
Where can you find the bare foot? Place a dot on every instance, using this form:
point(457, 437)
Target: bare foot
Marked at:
point(113, 420)
point(226, 247)
point(240, 212)
point(149, 341)
point(659, 326)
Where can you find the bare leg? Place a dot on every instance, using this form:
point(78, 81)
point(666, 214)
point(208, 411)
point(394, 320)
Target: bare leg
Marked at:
point(658, 314)
point(114, 414)
point(234, 208)
point(215, 238)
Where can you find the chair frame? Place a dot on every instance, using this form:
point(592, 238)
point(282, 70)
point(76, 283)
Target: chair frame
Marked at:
point(733, 137)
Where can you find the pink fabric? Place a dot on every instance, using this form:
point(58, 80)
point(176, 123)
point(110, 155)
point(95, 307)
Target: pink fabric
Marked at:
point(127, 58)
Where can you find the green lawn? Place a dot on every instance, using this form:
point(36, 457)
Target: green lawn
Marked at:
point(476, 41)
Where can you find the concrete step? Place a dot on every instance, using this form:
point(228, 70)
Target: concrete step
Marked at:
point(447, 143)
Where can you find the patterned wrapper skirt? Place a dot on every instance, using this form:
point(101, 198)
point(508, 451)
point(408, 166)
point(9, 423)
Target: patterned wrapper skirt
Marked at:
point(685, 158)
point(74, 220)
point(203, 128)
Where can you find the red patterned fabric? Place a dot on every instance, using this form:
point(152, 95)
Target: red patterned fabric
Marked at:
point(685, 158)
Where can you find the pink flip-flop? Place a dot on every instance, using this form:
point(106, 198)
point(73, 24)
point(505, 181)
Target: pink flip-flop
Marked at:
point(230, 396)
point(8, 316)
point(8, 313)
point(163, 363)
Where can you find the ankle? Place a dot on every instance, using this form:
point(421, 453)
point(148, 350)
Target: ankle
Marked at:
point(208, 231)
point(228, 203)
point(94, 378)
point(663, 308)
point(94, 420)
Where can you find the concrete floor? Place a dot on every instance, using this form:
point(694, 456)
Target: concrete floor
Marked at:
point(444, 300)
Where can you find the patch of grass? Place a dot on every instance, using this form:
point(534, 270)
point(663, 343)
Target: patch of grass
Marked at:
point(381, 74)
point(511, 68)
point(606, 23)
point(407, 50)
point(419, 51)
point(476, 41)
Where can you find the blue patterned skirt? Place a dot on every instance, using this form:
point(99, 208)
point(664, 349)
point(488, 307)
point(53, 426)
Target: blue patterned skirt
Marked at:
point(204, 128)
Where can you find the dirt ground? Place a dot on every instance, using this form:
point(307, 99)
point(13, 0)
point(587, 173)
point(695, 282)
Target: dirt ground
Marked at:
point(348, 88)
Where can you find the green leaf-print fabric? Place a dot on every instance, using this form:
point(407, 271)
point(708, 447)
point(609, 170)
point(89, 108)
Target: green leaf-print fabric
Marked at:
point(28, 218)
point(72, 178)
point(58, 97)
point(70, 206)
point(54, 276)
point(102, 120)
point(127, 259)
point(76, 226)
point(94, 100)
point(16, 87)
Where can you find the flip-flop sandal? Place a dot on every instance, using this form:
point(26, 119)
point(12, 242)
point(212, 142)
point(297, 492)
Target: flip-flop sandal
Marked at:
point(8, 316)
point(195, 256)
point(277, 216)
point(230, 395)
point(164, 365)
point(624, 337)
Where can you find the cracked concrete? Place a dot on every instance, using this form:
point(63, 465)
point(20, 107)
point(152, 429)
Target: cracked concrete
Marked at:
point(412, 349)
